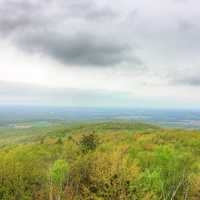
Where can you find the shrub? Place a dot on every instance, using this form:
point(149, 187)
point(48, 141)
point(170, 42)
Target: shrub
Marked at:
point(59, 172)
point(58, 177)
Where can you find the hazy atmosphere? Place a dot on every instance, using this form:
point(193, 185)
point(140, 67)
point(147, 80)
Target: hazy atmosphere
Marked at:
point(141, 53)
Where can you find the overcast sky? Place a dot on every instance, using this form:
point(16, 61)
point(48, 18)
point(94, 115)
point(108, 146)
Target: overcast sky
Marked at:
point(143, 53)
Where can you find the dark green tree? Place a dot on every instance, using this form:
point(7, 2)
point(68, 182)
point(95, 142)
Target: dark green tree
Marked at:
point(89, 142)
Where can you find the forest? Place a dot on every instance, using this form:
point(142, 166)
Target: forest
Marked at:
point(99, 161)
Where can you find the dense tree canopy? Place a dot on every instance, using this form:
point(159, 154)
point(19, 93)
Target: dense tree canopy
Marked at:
point(105, 161)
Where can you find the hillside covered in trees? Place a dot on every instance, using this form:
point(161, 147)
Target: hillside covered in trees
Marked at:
point(100, 161)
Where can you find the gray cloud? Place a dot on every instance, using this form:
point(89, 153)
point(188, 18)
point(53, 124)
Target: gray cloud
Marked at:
point(190, 81)
point(153, 45)
point(186, 26)
point(23, 14)
point(18, 16)
point(63, 32)
point(90, 11)
point(80, 48)
point(102, 33)
point(184, 76)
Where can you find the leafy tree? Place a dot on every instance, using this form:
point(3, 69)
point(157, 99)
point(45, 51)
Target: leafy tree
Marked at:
point(89, 142)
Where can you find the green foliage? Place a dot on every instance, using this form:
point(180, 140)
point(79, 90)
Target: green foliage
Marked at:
point(133, 161)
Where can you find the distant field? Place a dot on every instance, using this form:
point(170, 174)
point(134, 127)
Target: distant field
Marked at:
point(27, 132)
point(45, 116)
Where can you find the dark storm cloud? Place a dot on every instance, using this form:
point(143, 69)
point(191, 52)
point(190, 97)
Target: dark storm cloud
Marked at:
point(63, 32)
point(79, 48)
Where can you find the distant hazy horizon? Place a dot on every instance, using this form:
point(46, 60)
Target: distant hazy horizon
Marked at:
point(179, 118)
